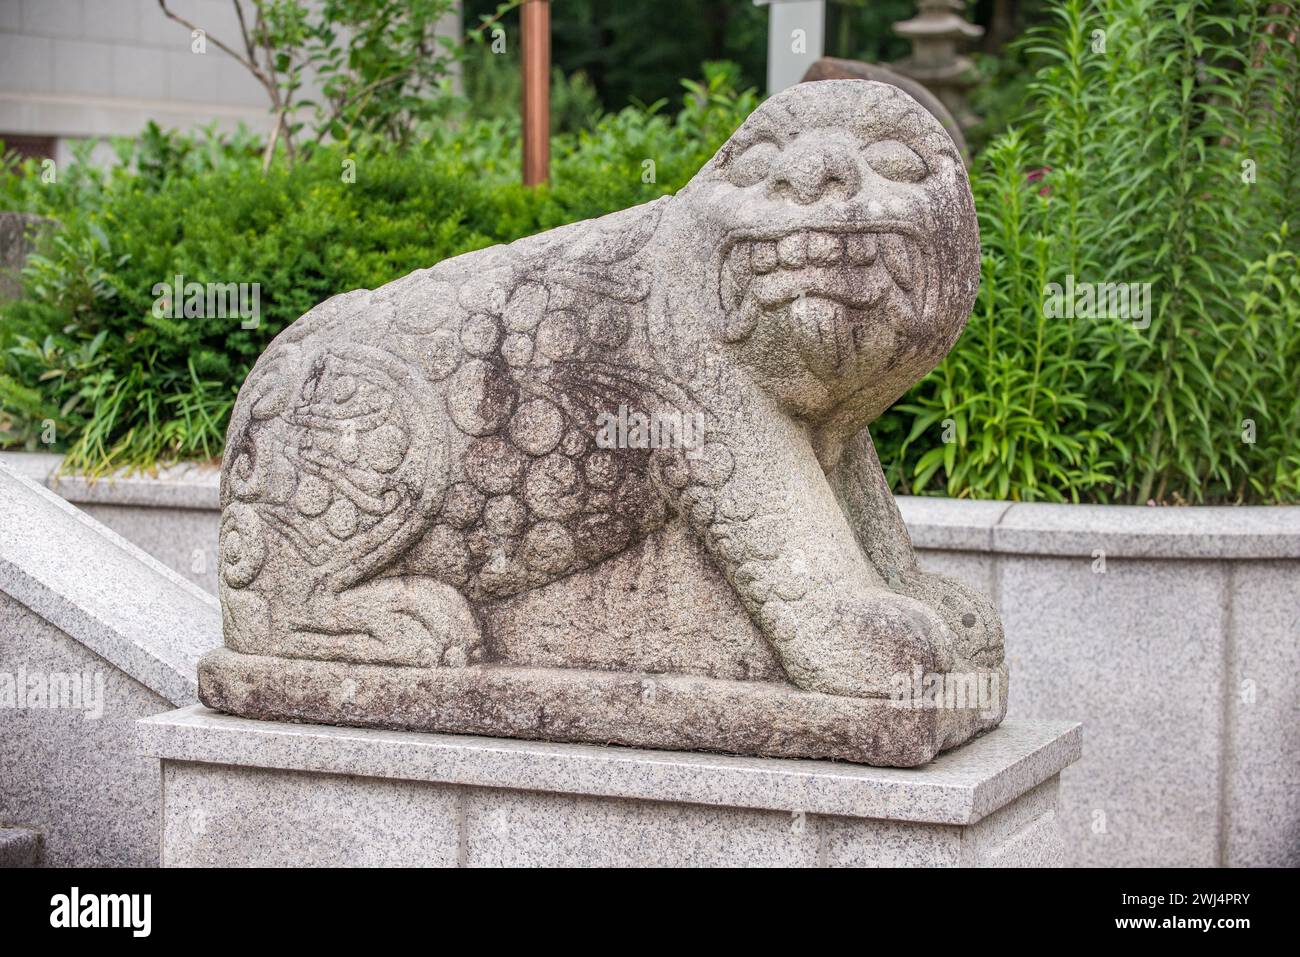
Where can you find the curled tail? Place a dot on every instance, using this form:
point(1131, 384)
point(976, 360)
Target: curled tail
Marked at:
point(334, 466)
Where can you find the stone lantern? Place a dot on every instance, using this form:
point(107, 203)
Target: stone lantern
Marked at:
point(937, 32)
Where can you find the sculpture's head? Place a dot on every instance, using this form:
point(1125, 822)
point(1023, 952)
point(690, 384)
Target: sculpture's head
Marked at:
point(842, 242)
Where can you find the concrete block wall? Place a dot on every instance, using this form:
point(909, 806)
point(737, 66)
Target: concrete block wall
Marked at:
point(1173, 634)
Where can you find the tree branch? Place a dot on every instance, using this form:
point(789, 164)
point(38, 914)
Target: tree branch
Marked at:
point(364, 92)
point(243, 30)
point(248, 63)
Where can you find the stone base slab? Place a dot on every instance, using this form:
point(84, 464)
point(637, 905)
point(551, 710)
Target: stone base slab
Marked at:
point(678, 712)
point(19, 847)
point(239, 792)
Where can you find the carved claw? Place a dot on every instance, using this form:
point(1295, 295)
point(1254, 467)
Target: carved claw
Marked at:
point(970, 615)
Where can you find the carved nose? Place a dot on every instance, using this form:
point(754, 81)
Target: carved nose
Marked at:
point(808, 173)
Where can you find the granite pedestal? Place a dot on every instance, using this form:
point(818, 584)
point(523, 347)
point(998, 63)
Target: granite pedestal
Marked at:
point(239, 792)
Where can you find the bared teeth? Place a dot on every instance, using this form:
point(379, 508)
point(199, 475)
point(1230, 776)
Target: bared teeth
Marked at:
point(861, 249)
point(792, 250)
point(739, 323)
point(824, 249)
point(735, 275)
point(761, 273)
point(764, 257)
point(898, 260)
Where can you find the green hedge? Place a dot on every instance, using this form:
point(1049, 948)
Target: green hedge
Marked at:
point(82, 349)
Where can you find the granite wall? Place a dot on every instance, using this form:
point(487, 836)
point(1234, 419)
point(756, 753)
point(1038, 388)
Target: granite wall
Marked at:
point(94, 634)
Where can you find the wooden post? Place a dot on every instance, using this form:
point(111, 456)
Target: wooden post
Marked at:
point(535, 18)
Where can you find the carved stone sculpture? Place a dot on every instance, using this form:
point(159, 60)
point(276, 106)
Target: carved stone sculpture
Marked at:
point(613, 483)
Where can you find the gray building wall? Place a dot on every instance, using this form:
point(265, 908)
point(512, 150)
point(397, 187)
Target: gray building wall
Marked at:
point(77, 69)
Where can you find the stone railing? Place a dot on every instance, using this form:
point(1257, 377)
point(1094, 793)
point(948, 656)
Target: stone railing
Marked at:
point(94, 634)
point(173, 514)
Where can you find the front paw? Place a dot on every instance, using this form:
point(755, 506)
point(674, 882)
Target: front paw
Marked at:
point(857, 645)
point(970, 615)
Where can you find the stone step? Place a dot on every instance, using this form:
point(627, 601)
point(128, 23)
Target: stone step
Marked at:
point(19, 847)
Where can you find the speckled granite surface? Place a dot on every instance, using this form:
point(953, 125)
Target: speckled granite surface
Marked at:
point(958, 787)
point(255, 792)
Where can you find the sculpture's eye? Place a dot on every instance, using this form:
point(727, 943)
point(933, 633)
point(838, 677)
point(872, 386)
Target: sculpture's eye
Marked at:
point(892, 160)
point(752, 164)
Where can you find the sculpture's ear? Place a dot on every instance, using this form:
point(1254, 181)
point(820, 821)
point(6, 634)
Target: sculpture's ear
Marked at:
point(620, 235)
point(712, 170)
point(720, 158)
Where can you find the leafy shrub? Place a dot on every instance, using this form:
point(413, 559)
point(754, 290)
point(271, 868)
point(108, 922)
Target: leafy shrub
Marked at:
point(126, 388)
point(378, 67)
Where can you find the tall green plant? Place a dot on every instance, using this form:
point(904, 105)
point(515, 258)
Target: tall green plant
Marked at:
point(1159, 148)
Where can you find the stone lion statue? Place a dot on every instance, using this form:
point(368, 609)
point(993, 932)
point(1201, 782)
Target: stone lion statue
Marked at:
point(472, 499)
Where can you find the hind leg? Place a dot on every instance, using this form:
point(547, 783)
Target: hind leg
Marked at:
point(334, 468)
point(276, 603)
point(415, 621)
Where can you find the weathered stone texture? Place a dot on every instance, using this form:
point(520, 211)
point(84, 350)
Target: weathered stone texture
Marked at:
point(491, 494)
